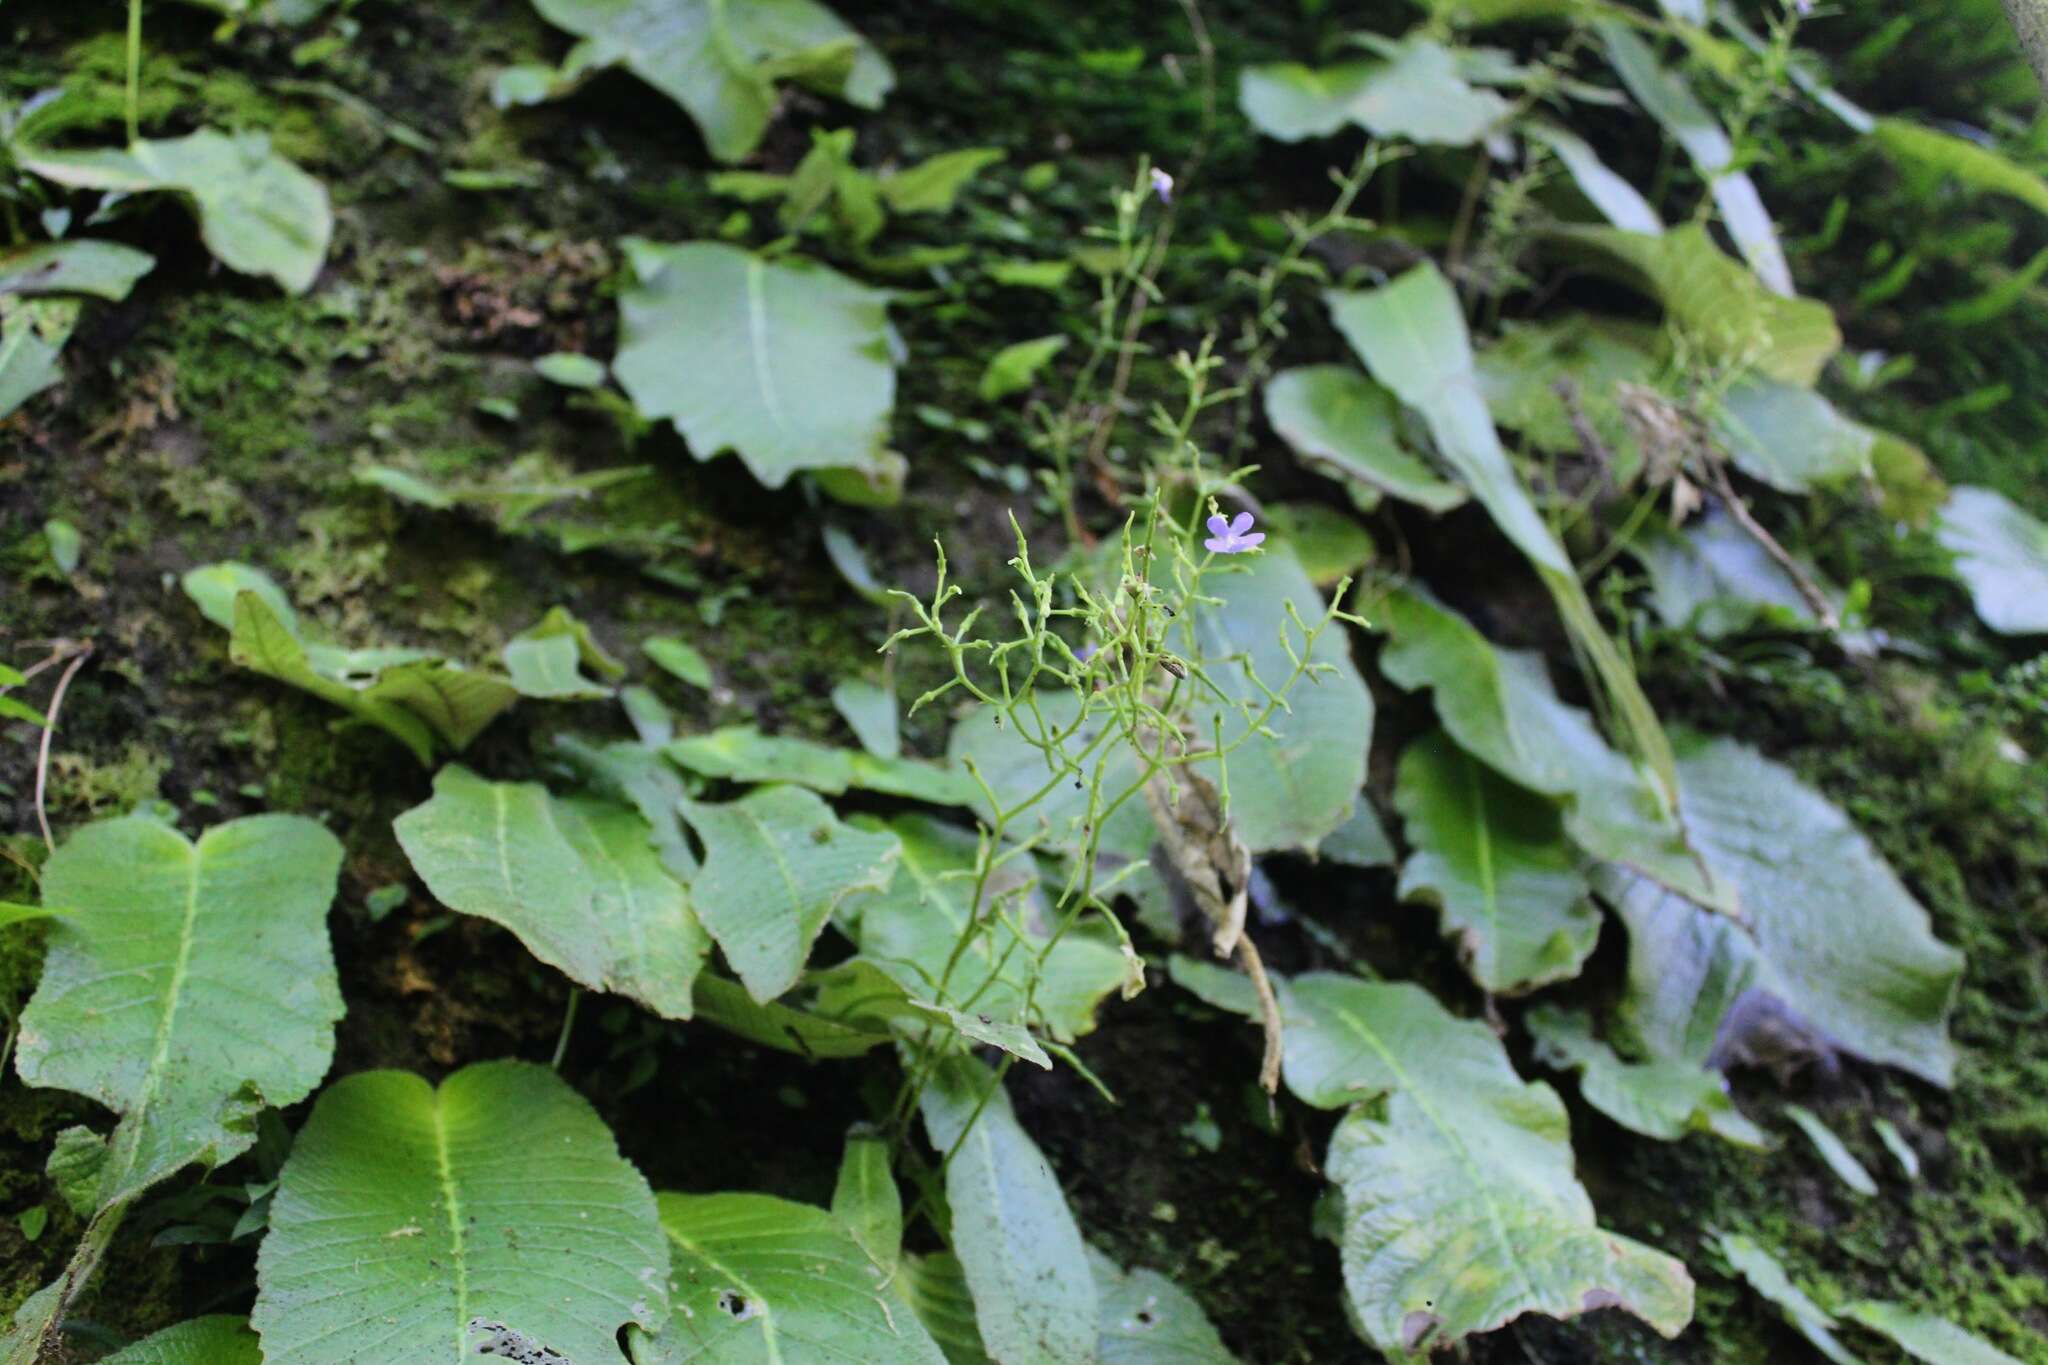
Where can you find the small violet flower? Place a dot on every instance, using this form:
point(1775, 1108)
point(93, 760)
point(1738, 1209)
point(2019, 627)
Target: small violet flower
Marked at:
point(1162, 185)
point(1230, 538)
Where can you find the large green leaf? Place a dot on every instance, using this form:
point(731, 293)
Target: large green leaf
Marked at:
point(219, 1340)
point(761, 1281)
point(1493, 858)
point(786, 362)
point(741, 753)
point(1147, 1319)
point(1924, 1336)
point(1499, 706)
point(719, 59)
point(1791, 438)
point(191, 986)
point(1722, 310)
point(1460, 1209)
point(408, 1219)
point(776, 863)
point(1346, 426)
point(577, 880)
point(2002, 555)
point(1713, 578)
point(1034, 1299)
point(935, 1288)
point(1418, 93)
point(1832, 946)
point(911, 928)
point(105, 270)
point(635, 774)
point(1664, 1100)
point(259, 213)
point(1669, 100)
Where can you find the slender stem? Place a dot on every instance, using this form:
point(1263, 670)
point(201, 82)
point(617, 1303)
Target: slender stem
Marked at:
point(49, 729)
point(568, 1023)
point(134, 71)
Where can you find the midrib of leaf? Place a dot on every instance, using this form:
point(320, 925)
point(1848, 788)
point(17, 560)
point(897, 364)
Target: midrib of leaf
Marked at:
point(627, 896)
point(758, 1300)
point(451, 1200)
point(757, 334)
point(174, 991)
point(1482, 848)
point(1450, 1135)
point(760, 828)
point(503, 813)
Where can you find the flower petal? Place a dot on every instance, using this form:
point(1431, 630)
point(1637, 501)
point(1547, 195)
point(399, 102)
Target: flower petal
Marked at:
point(1218, 544)
point(1218, 527)
point(1241, 524)
point(1252, 541)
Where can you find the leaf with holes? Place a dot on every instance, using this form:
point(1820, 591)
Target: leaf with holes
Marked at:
point(1492, 857)
point(2002, 557)
point(1034, 1299)
point(1147, 1319)
point(218, 1340)
point(577, 880)
point(776, 863)
point(764, 1280)
point(259, 213)
point(406, 1215)
point(191, 986)
point(785, 362)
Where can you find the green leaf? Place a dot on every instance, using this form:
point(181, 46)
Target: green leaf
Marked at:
point(636, 775)
point(105, 270)
point(1460, 1209)
point(785, 362)
point(805, 1033)
point(2002, 557)
point(931, 186)
point(1763, 1274)
point(1524, 372)
point(1722, 309)
point(1618, 201)
point(740, 753)
point(1330, 546)
point(1147, 1319)
point(1977, 166)
point(13, 913)
point(1663, 1100)
point(570, 370)
point(911, 928)
point(1347, 427)
point(869, 711)
point(1714, 579)
point(577, 881)
point(32, 336)
point(935, 1287)
point(77, 1160)
point(1901, 1151)
point(173, 948)
point(1361, 841)
point(1840, 1160)
point(865, 1200)
point(549, 668)
point(1669, 100)
point(1831, 947)
point(1034, 1299)
point(219, 1340)
point(259, 213)
point(1493, 858)
point(65, 544)
point(720, 61)
point(1500, 707)
point(1012, 369)
point(679, 659)
point(1791, 438)
point(407, 1215)
point(1924, 1336)
point(776, 863)
point(1418, 94)
point(760, 1279)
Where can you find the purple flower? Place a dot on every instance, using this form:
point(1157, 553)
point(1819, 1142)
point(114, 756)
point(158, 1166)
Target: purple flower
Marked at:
point(1230, 538)
point(1162, 185)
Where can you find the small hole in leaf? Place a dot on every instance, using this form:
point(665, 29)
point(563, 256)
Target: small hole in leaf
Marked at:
point(735, 1304)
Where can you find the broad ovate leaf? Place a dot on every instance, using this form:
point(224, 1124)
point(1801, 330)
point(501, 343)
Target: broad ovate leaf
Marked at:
point(1034, 1298)
point(1527, 373)
point(411, 1220)
point(1147, 1319)
point(1791, 438)
point(579, 881)
point(1923, 1336)
point(785, 362)
point(1715, 579)
point(758, 1280)
point(719, 59)
point(869, 710)
point(1344, 425)
point(191, 986)
point(776, 863)
point(259, 213)
point(217, 1340)
point(1492, 857)
point(1663, 1100)
point(1418, 93)
point(1831, 945)
point(2002, 556)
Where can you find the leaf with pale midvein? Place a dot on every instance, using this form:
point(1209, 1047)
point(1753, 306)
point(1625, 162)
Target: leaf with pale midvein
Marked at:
point(217, 1340)
point(1492, 857)
point(1831, 939)
point(786, 363)
point(578, 881)
point(764, 1281)
point(1034, 1299)
point(865, 1199)
point(406, 1213)
point(776, 863)
point(192, 985)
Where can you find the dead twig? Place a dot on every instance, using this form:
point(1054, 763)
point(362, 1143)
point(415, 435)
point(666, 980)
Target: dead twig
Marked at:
point(1737, 508)
point(78, 652)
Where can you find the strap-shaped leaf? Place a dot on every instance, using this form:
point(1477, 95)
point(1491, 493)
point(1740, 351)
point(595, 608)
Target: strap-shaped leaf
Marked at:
point(2002, 555)
point(785, 362)
point(1763, 1273)
point(105, 270)
point(741, 753)
point(1924, 1336)
point(259, 213)
point(1022, 1253)
point(409, 1219)
point(1621, 203)
point(218, 1340)
point(577, 880)
point(1493, 858)
point(776, 863)
point(764, 1281)
point(866, 1201)
point(192, 985)
point(1832, 944)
